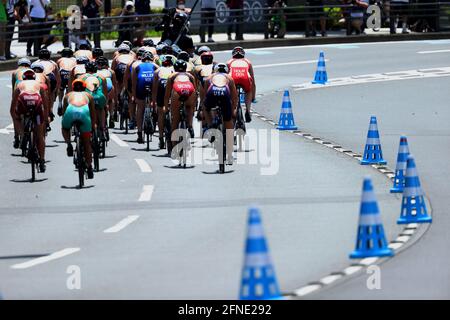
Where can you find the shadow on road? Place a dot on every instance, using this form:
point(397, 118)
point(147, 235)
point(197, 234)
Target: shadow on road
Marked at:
point(24, 256)
point(77, 187)
point(28, 180)
point(217, 172)
point(179, 167)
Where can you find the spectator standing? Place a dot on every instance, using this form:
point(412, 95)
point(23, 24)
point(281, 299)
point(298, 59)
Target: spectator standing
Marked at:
point(127, 23)
point(356, 16)
point(208, 16)
point(236, 18)
point(316, 13)
point(398, 9)
point(9, 28)
point(107, 7)
point(91, 9)
point(3, 21)
point(22, 15)
point(142, 7)
point(38, 16)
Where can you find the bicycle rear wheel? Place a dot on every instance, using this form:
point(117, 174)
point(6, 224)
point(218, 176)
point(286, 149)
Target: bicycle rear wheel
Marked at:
point(224, 149)
point(32, 157)
point(96, 145)
point(80, 162)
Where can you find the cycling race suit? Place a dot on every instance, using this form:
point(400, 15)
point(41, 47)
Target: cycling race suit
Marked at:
point(183, 86)
point(65, 77)
point(203, 72)
point(97, 93)
point(219, 96)
point(107, 74)
point(33, 101)
point(81, 114)
point(145, 73)
point(239, 71)
point(120, 71)
point(163, 75)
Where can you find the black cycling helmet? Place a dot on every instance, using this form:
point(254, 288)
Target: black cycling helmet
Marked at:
point(147, 56)
point(238, 52)
point(29, 74)
point(167, 49)
point(82, 60)
point(140, 52)
point(148, 43)
point(159, 47)
point(84, 45)
point(180, 66)
point(67, 53)
point(44, 54)
point(102, 62)
point(207, 58)
point(221, 67)
point(37, 67)
point(183, 55)
point(78, 85)
point(203, 49)
point(167, 61)
point(128, 43)
point(97, 52)
point(91, 67)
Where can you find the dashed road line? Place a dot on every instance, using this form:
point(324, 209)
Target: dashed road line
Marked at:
point(285, 64)
point(119, 141)
point(41, 260)
point(8, 129)
point(433, 51)
point(122, 224)
point(146, 194)
point(143, 165)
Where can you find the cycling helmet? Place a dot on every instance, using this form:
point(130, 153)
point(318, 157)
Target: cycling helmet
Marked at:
point(84, 45)
point(238, 52)
point(102, 62)
point(167, 49)
point(148, 43)
point(147, 56)
point(207, 58)
point(180, 66)
point(124, 48)
point(183, 55)
point(82, 60)
point(167, 62)
point(67, 53)
point(203, 49)
point(140, 51)
point(128, 43)
point(78, 85)
point(176, 50)
point(44, 54)
point(221, 67)
point(179, 19)
point(91, 67)
point(29, 74)
point(97, 52)
point(24, 62)
point(37, 67)
point(168, 42)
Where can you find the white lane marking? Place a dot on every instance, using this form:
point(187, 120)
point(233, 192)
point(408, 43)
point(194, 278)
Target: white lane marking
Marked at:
point(368, 261)
point(9, 86)
point(8, 129)
point(117, 140)
point(285, 64)
point(330, 279)
point(433, 51)
point(143, 165)
point(378, 77)
point(122, 224)
point(352, 269)
point(307, 289)
point(53, 256)
point(402, 239)
point(146, 194)
point(395, 245)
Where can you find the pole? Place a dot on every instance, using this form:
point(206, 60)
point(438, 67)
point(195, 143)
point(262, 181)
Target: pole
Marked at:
point(186, 22)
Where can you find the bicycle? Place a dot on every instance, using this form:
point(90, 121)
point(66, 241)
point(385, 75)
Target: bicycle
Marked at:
point(29, 148)
point(218, 124)
point(239, 125)
point(96, 149)
point(148, 121)
point(78, 156)
point(185, 136)
point(124, 111)
point(168, 131)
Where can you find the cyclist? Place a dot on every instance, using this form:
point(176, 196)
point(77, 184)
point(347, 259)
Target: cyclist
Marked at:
point(219, 90)
point(241, 71)
point(183, 55)
point(38, 69)
point(79, 106)
point(148, 45)
point(30, 94)
point(51, 70)
point(84, 50)
point(196, 59)
point(141, 78)
point(22, 65)
point(78, 71)
point(97, 52)
point(181, 86)
point(66, 63)
point(106, 72)
point(203, 71)
point(125, 43)
point(158, 93)
point(97, 88)
point(167, 51)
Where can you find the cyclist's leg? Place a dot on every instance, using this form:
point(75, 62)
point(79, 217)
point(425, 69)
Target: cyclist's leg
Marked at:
point(191, 102)
point(227, 116)
point(140, 104)
point(86, 133)
point(161, 113)
point(175, 110)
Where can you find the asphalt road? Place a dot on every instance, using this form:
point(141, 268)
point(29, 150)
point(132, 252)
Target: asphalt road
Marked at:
point(185, 237)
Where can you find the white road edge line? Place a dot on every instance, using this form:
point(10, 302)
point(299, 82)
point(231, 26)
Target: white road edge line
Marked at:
point(433, 51)
point(117, 140)
point(53, 256)
point(143, 165)
point(146, 194)
point(285, 64)
point(122, 224)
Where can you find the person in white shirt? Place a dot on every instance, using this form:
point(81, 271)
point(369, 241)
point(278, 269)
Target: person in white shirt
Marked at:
point(38, 15)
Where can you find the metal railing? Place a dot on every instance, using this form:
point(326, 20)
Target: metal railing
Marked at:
point(437, 14)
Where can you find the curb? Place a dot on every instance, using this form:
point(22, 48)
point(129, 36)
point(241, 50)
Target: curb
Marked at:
point(299, 41)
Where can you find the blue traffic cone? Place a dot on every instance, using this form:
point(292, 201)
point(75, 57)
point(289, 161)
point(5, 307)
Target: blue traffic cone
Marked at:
point(370, 241)
point(372, 151)
point(399, 179)
point(258, 275)
point(413, 209)
point(321, 72)
point(286, 121)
